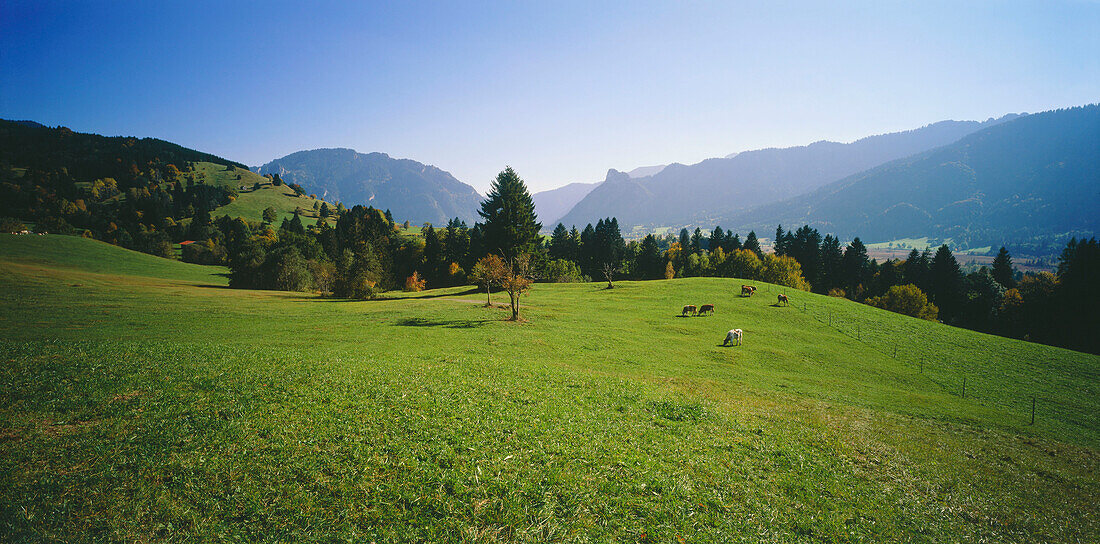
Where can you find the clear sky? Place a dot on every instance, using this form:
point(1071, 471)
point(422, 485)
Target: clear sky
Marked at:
point(561, 91)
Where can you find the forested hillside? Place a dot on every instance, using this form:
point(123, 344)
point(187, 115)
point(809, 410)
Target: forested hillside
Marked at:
point(128, 191)
point(143, 194)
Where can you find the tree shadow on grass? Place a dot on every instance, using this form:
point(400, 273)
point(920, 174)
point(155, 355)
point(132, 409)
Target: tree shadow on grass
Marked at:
point(448, 323)
point(472, 291)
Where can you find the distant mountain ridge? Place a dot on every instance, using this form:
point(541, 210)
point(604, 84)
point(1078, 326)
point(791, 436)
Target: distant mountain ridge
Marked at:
point(410, 190)
point(1032, 179)
point(700, 193)
point(553, 203)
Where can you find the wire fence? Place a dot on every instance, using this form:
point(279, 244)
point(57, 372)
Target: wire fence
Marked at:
point(963, 376)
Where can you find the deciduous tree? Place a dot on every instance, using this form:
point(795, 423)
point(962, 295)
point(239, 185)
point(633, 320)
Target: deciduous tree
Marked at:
point(488, 271)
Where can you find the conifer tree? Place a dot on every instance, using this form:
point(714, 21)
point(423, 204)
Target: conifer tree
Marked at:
point(1002, 269)
point(559, 243)
point(778, 245)
point(855, 265)
point(650, 266)
point(831, 259)
point(717, 239)
point(752, 244)
point(946, 283)
point(697, 241)
point(511, 227)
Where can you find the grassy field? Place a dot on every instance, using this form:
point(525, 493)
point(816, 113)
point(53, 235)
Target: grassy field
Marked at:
point(145, 401)
point(251, 204)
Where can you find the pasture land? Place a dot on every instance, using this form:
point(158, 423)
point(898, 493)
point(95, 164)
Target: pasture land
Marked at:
point(144, 400)
point(251, 204)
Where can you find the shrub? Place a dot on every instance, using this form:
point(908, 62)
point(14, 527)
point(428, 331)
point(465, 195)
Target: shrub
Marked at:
point(8, 224)
point(783, 270)
point(414, 283)
point(837, 292)
point(906, 299)
point(562, 271)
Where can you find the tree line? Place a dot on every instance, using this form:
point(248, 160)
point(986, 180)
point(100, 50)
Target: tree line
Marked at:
point(365, 252)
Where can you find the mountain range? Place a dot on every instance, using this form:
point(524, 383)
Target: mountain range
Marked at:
point(410, 190)
point(700, 193)
point(1026, 181)
point(554, 203)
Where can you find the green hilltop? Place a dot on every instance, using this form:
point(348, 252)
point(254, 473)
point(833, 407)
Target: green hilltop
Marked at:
point(140, 403)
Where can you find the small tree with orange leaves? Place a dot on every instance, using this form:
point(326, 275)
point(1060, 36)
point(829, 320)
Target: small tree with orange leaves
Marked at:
point(414, 283)
point(517, 281)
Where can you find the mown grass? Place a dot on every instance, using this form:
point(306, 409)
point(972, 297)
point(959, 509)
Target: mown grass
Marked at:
point(163, 406)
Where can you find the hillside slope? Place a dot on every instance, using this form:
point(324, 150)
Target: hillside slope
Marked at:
point(155, 407)
point(703, 193)
point(1034, 179)
point(410, 190)
point(136, 193)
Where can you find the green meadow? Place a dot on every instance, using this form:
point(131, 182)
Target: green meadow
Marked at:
point(250, 204)
point(144, 400)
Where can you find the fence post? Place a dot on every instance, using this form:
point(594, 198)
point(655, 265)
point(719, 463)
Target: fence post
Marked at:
point(922, 364)
point(895, 350)
point(1032, 411)
point(964, 387)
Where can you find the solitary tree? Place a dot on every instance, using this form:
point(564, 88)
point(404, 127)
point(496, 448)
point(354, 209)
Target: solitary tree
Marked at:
point(511, 228)
point(270, 214)
point(488, 271)
point(517, 281)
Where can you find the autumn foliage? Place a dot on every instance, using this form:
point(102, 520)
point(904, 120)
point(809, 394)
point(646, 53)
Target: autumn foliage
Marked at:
point(414, 283)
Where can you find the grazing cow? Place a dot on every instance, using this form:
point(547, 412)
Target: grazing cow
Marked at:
point(747, 290)
point(706, 308)
point(732, 337)
point(783, 300)
point(688, 310)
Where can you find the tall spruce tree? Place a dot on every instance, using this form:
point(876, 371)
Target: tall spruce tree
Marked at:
point(732, 243)
point(559, 243)
point(945, 282)
point(1002, 269)
point(855, 266)
point(511, 227)
point(717, 239)
point(651, 264)
point(779, 246)
point(831, 260)
point(574, 252)
point(752, 244)
point(697, 241)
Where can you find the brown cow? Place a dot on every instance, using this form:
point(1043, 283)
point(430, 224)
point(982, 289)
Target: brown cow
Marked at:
point(783, 300)
point(747, 290)
point(688, 310)
point(706, 308)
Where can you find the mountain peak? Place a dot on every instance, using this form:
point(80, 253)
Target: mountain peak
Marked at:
point(411, 190)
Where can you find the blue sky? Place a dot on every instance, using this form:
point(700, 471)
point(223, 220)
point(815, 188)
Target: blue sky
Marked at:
point(561, 91)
